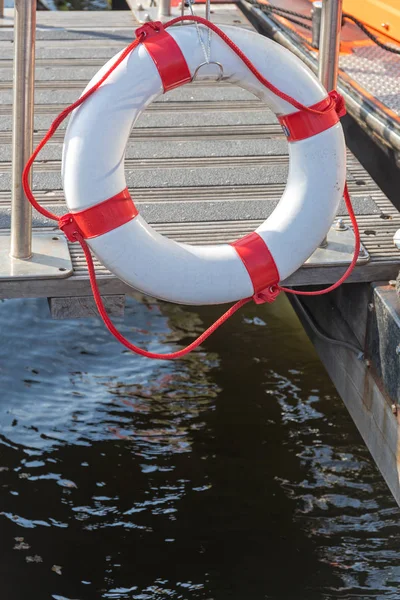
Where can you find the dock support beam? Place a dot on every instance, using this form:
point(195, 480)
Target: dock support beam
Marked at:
point(22, 143)
point(369, 317)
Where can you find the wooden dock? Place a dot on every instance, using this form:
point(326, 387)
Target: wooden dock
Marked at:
point(205, 164)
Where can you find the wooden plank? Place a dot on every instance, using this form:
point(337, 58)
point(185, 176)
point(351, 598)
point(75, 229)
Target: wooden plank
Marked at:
point(367, 404)
point(79, 307)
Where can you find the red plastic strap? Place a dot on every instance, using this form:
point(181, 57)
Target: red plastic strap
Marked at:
point(166, 54)
point(106, 216)
point(303, 124)
point(259, 263)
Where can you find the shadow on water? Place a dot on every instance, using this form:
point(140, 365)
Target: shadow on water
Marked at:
point(233, 474)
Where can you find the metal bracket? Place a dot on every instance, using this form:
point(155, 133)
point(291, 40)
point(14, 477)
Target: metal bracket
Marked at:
point(50, 258)
point(396, 239)
point(339, 249)
point(151, 12)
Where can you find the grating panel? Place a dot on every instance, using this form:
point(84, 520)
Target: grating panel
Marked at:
point(377, 71)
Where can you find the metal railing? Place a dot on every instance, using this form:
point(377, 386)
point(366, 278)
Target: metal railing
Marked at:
point(329, 47)
point(23, 100)
point(329, 43)
point(165, 8)
point(22, 139)
point(23, 255)
point(1, 9)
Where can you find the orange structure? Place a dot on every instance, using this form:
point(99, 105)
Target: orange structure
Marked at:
point(381, 15)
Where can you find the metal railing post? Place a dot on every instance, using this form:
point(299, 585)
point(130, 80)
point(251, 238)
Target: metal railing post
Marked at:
point(22, 141)
point(1, 9)
point(23, 256)
point(316, 22)
point(165, 8)
point(208, 11)
point(329, 44)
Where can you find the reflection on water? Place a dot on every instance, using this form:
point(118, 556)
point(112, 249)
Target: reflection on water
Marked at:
point(235, 473)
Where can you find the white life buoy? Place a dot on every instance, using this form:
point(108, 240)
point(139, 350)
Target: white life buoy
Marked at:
point(95, 186)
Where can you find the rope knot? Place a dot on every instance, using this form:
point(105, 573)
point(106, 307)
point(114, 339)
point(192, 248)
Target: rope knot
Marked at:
point(149, 29)
point(68, 225)
point(268, 295)
point(338, 102)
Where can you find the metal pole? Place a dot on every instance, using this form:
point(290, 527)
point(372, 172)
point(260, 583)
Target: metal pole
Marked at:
point(1, 9)
point(329, 45)
point(331, 22)
point(208, 11)
point(22, 143)
point(165, 8)
point(316, 22)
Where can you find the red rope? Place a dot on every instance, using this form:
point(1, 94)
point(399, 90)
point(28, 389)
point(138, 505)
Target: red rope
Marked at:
point(351, 266)
point(66, 222)
point(112, 329)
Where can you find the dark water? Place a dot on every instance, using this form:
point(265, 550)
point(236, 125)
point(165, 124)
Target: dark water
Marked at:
point(233, 474)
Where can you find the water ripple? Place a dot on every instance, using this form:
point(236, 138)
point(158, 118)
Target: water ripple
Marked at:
point(235, 473)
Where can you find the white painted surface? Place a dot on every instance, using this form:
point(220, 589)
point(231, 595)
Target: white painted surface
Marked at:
point(93, 170)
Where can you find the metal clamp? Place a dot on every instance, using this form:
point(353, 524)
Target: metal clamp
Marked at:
point(396, 239)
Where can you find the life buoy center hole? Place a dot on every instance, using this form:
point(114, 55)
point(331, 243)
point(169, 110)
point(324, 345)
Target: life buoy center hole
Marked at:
point(206, 164)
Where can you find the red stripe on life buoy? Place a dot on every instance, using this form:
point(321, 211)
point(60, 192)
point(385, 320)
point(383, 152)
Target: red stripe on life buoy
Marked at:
point(258, 261)
point(302, 124)
point(166, 54)
point(106, 216)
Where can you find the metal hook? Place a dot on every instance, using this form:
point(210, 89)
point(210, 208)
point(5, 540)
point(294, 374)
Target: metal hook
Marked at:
point(221, 68)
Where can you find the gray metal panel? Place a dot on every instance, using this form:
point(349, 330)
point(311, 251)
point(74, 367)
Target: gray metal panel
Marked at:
point(199, 211)
point(154, 150)
point(211, 132)
point(377, 71)
point(173, 119)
